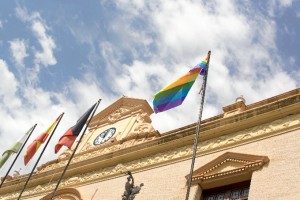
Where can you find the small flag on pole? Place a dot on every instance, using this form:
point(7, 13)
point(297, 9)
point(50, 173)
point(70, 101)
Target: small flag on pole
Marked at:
point(34, 146)
point(14, 148)
point(70, 136)
point(174, 94)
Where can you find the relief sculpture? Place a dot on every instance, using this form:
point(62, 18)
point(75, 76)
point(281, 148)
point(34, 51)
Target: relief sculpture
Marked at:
point(143, 127)
point(116, 115)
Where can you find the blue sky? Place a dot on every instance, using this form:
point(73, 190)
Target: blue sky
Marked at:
point(62, 56)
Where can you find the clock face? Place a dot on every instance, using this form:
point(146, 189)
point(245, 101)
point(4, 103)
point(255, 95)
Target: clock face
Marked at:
point(104, 136)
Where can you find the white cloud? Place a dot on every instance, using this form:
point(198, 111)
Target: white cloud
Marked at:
point(285, 3)
point(21, 107)
point(18, 50)
point(163, 40)
point(22, 14)
point(244, 59)
point(243, 62)
point(86, 91)
point(8, 87)
point(44, 57)
point(277, 7)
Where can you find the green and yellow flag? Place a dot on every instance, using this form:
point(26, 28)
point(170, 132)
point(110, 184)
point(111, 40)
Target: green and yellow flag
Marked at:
point(14, 148)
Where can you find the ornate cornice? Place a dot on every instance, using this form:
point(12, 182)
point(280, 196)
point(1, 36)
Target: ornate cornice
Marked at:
point(228, 164)
point(168, 157)
point(218, 133)
point(121, 108)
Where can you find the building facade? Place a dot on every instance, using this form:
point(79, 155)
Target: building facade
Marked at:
point(248, 152)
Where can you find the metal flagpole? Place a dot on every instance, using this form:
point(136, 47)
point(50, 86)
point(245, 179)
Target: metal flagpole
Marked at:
point(203, 88)
point(17, 155)
point(73, 153)
point(28, 178)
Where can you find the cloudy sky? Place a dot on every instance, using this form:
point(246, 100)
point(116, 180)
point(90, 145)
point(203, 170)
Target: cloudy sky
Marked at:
point(62, 56)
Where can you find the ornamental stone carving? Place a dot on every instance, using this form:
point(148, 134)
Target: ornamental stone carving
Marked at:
point(228, 165)
point(65, 154)
point(87, 146)
point(244, 136)
point(143, 127)
point(116, 115)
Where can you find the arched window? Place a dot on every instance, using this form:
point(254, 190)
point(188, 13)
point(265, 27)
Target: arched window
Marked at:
point(65, 194)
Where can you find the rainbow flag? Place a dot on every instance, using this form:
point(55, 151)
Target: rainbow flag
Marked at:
point(35, 145)
point(174, 94)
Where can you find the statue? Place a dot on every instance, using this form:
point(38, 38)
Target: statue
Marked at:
point(130, 189)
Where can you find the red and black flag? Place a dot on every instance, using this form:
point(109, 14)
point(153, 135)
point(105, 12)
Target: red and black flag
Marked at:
point(70, 136)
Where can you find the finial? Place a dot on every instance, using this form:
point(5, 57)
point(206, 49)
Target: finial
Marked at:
point(240, 98)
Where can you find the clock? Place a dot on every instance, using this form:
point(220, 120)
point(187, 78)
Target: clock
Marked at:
point(104, 136)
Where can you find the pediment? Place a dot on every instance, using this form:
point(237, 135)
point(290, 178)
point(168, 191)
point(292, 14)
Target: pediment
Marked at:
point(229, 164)
point(121, 108)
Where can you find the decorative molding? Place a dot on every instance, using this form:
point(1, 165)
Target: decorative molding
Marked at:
point(229, 164)
point(142, 129)
point(118, 110)
point(168, 157)
point(117, 114)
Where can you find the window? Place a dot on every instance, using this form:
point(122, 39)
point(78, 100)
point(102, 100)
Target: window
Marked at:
point(227, 177)
point(237, 191)
point(65, 194)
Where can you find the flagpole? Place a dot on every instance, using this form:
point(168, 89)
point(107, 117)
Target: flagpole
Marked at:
point(198, 128)
point(17, 155)
point(73, 153)
point(28, 178)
